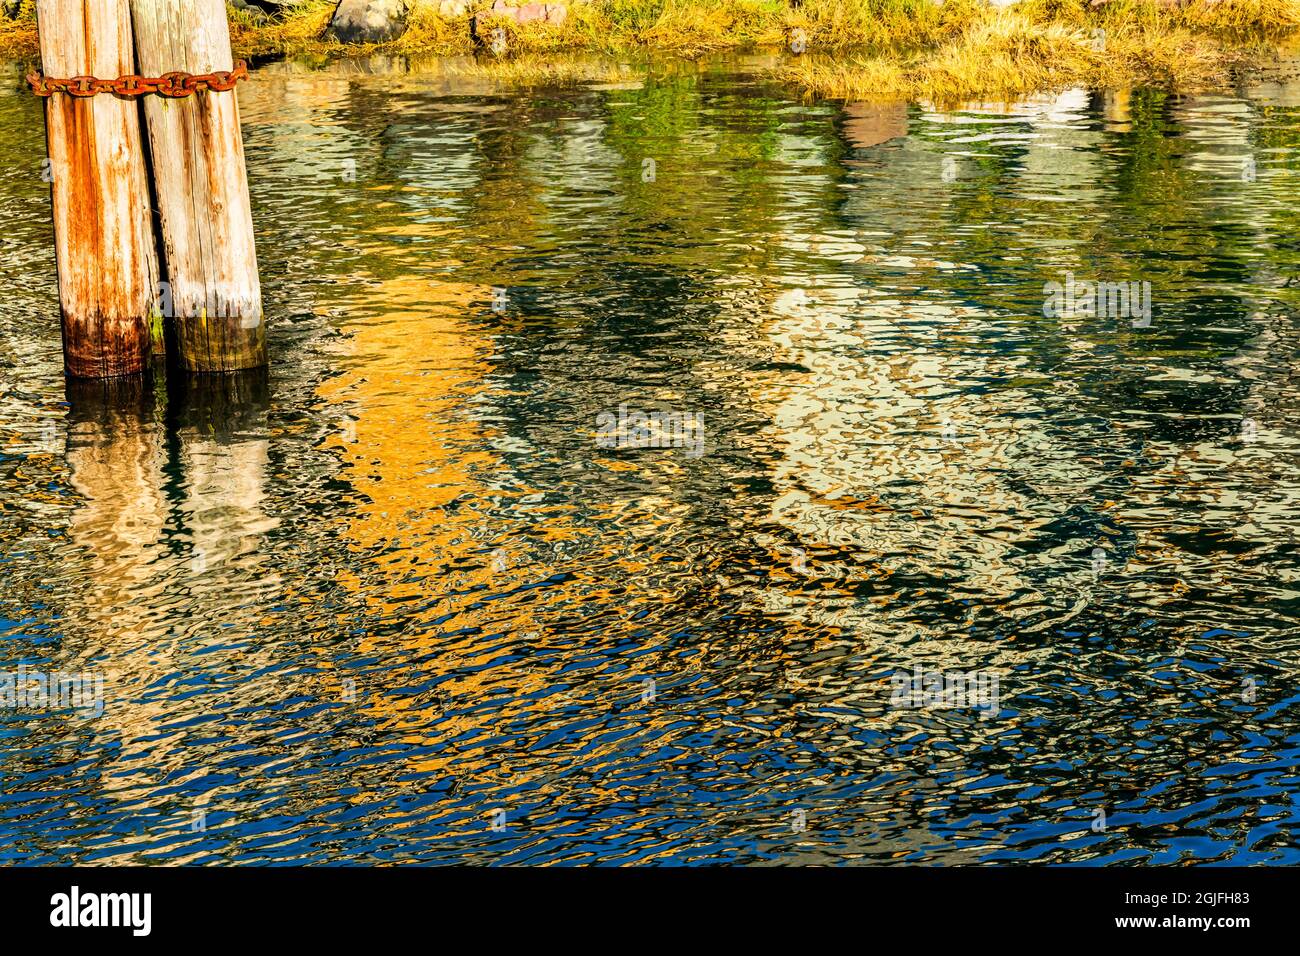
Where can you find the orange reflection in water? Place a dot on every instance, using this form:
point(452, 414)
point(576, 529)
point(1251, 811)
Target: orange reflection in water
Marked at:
point(415, 455)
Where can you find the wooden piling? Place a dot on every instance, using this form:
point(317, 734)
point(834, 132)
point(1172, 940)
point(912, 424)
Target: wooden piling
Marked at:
point(202, 189)
point(103, 232)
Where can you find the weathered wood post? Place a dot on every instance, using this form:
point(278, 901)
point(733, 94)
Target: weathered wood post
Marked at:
point(202, 188)
point(103, 229)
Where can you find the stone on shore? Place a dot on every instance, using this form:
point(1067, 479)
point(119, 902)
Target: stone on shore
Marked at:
point(369, 21)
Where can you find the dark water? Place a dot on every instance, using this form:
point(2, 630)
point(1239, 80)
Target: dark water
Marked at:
point(393, 602)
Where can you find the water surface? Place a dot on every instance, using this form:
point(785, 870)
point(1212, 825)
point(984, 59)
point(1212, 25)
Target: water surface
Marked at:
point(392, 602)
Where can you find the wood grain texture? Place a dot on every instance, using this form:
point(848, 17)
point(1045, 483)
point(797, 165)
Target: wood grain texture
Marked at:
point(103, 230)
point(202, 189)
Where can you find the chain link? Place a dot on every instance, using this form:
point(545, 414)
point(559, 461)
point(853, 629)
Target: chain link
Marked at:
point(172, 85)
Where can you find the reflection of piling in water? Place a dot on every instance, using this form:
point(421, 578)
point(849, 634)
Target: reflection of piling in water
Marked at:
point(111, 400)
point(114, 620)
point(221, 452)
point(115, 462)
point(170, 525)
point(112, 453)
point(220, 406)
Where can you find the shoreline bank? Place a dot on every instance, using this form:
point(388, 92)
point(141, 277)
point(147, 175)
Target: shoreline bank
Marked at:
point(837, 49)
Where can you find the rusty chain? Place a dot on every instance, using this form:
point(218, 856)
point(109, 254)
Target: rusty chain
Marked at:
point(172, 85)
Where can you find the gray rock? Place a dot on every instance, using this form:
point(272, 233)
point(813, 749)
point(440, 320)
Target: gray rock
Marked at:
point(271, 6)
point(9, 8)
point(369, 21)
point(252, 10)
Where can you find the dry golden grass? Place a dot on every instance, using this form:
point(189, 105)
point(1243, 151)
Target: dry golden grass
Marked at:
point(1230, 16)
point(856, 48)
point(301, 30)
point(534, 70)
point(18, 37)
point(841, 24)
point(693, 27)
point(429, 33)
point(1242, 15)
point(1009, 53)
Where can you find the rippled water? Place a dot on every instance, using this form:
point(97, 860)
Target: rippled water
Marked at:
point(394, 602)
